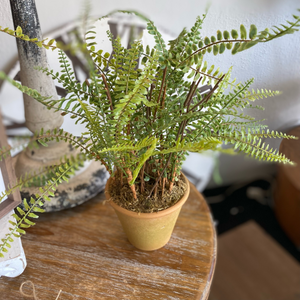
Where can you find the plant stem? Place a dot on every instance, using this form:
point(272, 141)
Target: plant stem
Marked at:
point(210, 45)
point(208, 95)
point(193, 94)
point(155, 191)
point(142, 179)
point(172, 177)
point(168, 161)
point(205, 74)
point(189, 94)
point(164, 97)
point(121, 178)
point(104, 164)
point(163, 186)
point(179, 133)
point(160, 91)
point(188, 103)
point(107, 91)
point(132, 187)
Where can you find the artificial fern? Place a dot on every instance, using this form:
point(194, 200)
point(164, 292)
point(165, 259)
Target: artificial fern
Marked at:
point(142, 118)
point(23, 216)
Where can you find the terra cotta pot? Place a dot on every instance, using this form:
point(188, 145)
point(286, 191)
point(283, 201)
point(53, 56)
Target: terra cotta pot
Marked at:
point(149, 231)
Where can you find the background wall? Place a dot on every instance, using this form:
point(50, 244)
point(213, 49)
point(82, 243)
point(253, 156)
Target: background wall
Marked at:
point(275, 65)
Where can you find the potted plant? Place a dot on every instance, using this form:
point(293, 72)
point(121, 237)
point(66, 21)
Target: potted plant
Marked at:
point(142, 119)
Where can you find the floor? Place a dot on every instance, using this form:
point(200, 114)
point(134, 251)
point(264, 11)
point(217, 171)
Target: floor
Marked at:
point(256, 260)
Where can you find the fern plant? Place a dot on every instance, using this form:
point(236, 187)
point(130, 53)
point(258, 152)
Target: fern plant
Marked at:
point(47, 180)
point(142, 119)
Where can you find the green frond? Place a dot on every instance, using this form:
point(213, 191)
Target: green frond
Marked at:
point(130, 146)
point(24, 89)
point(143, 158)
point(252, 145)
point(126, 106)
point(142, 107)
point(260, 94)
point(18, 33)
point(35, 205)
point(203, 145)
point(4, 152)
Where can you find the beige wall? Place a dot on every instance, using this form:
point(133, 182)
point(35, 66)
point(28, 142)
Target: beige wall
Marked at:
point(275, 65)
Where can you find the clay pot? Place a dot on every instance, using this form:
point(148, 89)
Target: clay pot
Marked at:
point(149, 231)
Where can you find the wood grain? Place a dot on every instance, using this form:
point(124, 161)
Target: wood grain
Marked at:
point(291, 149)
point(252, 266)
point(287, 189)
point(84, 253)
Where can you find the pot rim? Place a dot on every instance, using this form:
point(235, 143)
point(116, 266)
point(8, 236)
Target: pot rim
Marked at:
point(153, 215)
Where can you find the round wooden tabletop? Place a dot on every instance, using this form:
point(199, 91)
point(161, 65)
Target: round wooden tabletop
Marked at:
point(291, 149)
point(287, 189)
point(84, 252)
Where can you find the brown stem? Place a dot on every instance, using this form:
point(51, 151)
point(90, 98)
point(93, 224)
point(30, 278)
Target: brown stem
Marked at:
point(163, 186)
point(181, 129)
point(184, 125)
point(148, 109)
point(208, 95)
point(107, 91)
point(164, 97)
point(162, 84)
point(142, 179)
point(152, 86)
point(171, 186)
point(104, 164)
point(157, 180)
point(189, 94)
point(188, 103)
point(172, 178)
point(179, 133)
point(121, 178)
point(210, 45)
point(155, 191)
point(132, 187)
point(128, 129)
point(203, 73)
point(159, 177)
point(160, 91)
point(148, 113)
point(193, 94)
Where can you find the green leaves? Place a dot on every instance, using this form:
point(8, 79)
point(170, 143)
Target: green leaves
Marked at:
point(29, 208)
point(206, 40)
point(137, 115)
point(24, 89)
point(243, 32)
point(144, 157)
point(208, 143)
point(250, 143)
point(18, 33)
point(219, 35)
point(216, 49)
point(234, 34)
point(252, 32)
point(235, 48)
point(226, 35)
point(160, 45)
point(222, 48)
point(127, 105)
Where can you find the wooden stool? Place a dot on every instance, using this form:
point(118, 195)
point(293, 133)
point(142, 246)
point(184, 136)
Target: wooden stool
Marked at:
point(84, 252)
point(287, 189)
